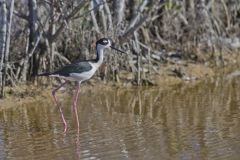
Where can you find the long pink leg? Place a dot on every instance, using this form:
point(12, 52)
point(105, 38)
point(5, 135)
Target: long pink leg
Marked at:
point(58, 105)
point(75, 103)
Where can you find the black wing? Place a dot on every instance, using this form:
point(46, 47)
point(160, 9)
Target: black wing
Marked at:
point(73, 68)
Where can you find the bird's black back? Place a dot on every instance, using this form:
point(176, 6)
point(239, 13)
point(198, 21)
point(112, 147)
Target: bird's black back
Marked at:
point(78, 67)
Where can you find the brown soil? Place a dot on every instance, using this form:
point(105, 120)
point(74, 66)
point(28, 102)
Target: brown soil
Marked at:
point(169, 75)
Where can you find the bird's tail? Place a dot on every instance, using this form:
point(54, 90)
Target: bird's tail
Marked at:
point(44, 74)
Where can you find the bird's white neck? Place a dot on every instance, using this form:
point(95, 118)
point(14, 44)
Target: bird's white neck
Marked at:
point(99, 59)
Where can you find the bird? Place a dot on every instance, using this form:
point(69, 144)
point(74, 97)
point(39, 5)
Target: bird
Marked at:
point(79, 72)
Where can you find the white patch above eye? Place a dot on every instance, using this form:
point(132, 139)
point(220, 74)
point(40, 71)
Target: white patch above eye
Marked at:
point(105, 41)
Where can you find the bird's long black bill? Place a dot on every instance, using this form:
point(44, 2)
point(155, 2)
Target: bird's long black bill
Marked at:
point(117, 49)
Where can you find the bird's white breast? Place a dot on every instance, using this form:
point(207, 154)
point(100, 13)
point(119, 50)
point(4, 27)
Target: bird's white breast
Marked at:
point(84, 75)
point(81, 76)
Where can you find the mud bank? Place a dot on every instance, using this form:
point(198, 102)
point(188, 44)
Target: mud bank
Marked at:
point(169, 75)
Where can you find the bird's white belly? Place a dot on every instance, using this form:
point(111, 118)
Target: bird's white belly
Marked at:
point(82, 76)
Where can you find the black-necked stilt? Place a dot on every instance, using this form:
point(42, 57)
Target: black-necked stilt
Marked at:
point(79, 72)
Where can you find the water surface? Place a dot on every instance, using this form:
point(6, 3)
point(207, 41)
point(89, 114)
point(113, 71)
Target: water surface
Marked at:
point(182, 122)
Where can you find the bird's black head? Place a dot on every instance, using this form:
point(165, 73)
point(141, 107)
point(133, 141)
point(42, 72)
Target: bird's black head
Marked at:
point(105, 43)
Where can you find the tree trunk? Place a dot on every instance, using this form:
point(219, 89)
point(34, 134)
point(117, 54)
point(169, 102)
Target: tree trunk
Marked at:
point(6, 53)
point(120, 8)
point(52, 31)
point(3, 32)
point(94, 19)
point(33, 36)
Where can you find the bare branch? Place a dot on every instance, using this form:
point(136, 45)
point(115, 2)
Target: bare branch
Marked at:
point(71, 15)
point(120, 7)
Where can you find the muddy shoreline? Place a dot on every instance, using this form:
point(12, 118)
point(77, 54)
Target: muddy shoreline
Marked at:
point(170, 74)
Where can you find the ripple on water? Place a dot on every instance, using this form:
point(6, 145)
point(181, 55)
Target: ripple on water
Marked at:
point(183, 123)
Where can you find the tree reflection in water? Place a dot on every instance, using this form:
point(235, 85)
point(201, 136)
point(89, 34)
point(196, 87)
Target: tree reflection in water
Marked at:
point(182, 122)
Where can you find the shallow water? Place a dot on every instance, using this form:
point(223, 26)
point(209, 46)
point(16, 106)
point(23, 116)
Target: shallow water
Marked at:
point(198, 122)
